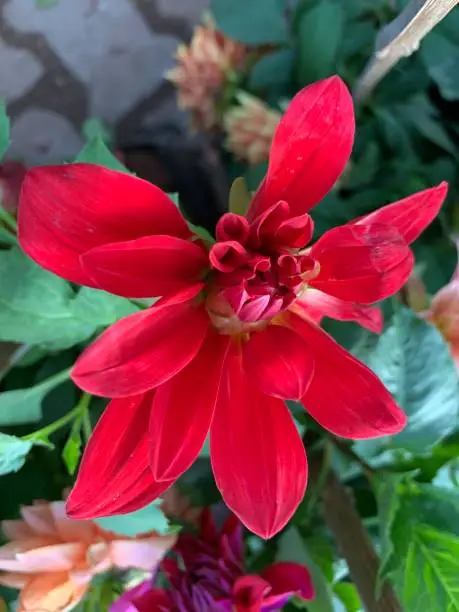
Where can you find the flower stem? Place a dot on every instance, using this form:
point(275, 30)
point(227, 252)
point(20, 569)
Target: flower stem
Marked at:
point(347, 527)
point(8, 220)
point(79, 410)
point(356, 547)
point(7, 237)
point(86, 421)
point(347, 451)
point(320, 477)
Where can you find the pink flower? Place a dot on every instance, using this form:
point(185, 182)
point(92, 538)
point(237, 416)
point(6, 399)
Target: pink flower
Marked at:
point(52, 558)
point(232, 337)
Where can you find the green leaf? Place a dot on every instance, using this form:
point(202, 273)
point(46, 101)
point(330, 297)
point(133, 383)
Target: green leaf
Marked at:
point(414, 362)
point(449, 27)
point(150, 518)
point(320, 30)
point(36, 306)
point(400, 84)
point(97, 152)
point(100, 308)
point(291, 547)
point(434, 556)
point(272, 70)
point(421, 533)
point(240, 20)
point(30, 355)
point(22, 406)
point(254, 175)
point(201, 232)
point(13, 453)
point(365, 168)
point(94, 127)
point(4, 129)
point(175, 198)
point(205, 450)
point(437, 261)
point(72, 449)
point(331, 211)
point(321, 552)
point(239, 197)
point(6, 238)
point(447, 476)
point(44, 4)
point(441, 58)
point(423, 117)
point(394, 131)
point(348, 595)
point(389, 500)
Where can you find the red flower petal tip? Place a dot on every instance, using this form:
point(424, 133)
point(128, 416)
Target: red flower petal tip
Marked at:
point(292, 578)
point(311, 147)
point(412, 215)
point(395, 423)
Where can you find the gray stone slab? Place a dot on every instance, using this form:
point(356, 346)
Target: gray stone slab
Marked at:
point(39, 136)
point(192, 10)
point(19, 71)
point(85, 58)
point(108, 46)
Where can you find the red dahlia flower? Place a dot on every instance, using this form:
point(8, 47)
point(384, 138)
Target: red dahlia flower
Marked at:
point(230, 339)
point(210, 575)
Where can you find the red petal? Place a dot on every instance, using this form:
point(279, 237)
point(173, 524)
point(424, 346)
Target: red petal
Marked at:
point(146, 267)
point(279, 362)
point(361, 263)
point(257, 456)
point(142, 351)
point(293, 578)
point(311, 147)
point(183, 410)
point(411, 215)
point(296, 232)
point(314, 305)
point(114, 476)
point(228, 256)
point(345, 397)
point(248, 593)
point(67, 210)
point(142, 598)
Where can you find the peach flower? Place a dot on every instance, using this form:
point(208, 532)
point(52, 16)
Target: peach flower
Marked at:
point(203, 69)
point(250, 128)
point(52, 558)
point(443, 311)
point(444, 314)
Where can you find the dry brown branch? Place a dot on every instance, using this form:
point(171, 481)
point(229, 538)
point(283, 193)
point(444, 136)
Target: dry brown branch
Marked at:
point(355, 546)
point(400, 38)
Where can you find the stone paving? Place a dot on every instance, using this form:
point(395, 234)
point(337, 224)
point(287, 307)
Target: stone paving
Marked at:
point(65, 61)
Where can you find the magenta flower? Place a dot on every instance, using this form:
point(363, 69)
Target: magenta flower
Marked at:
point(209, 575)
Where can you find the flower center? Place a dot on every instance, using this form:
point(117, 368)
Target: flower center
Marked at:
point(258, 268)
